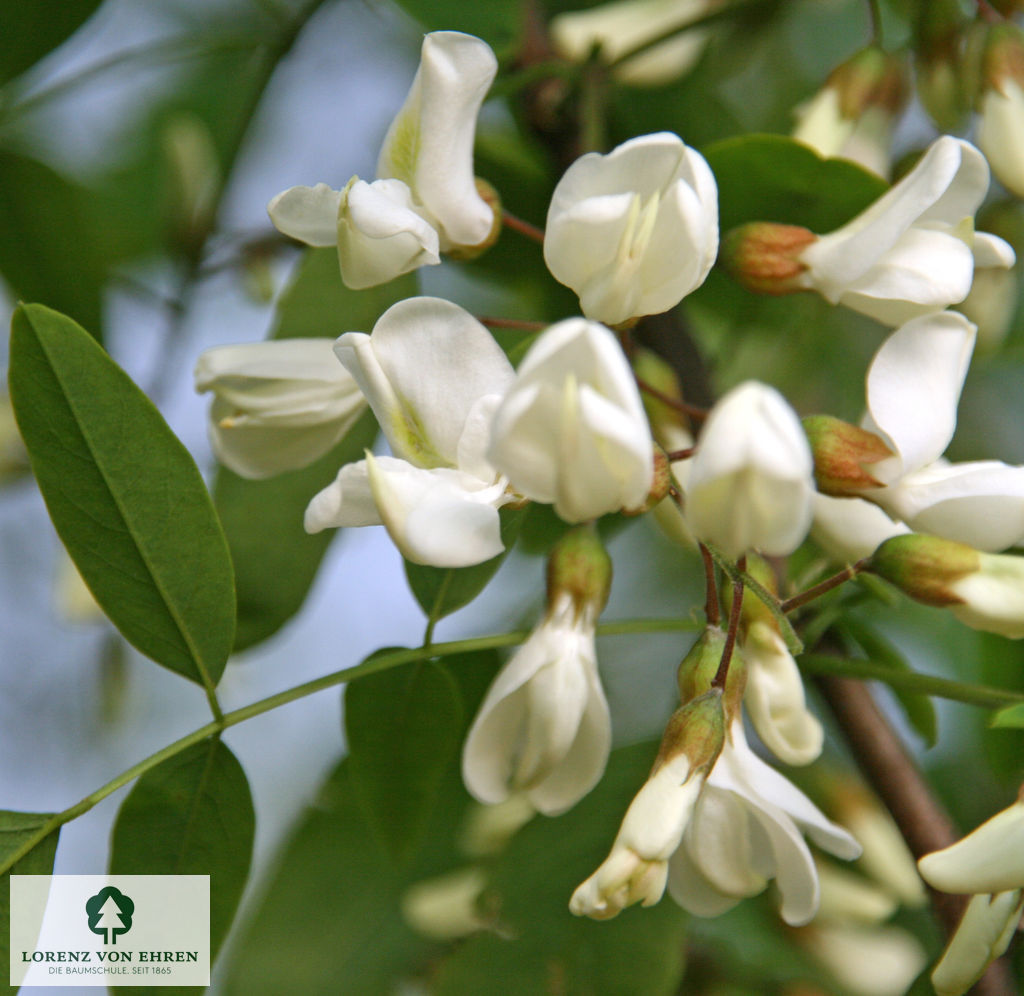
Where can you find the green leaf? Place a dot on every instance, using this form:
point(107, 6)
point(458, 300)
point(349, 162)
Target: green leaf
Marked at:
point(275, 559)
point(774, 178)
point(640, 951)
point(317, 303)
point(918, 708)
point(50, 250)
point(191, 815)
point(498, 22)
point(15, 830)
point(330, 920)
point(442, 590)
point(403, 728)
point(31, 30)
point(124, 495)
point(1010, 717)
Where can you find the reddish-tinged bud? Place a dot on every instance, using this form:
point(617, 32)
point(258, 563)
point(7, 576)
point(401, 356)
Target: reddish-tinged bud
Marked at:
point(659, 486)
point(765, 257)
point(697, 730)
point(871, 78)
point(841, 451)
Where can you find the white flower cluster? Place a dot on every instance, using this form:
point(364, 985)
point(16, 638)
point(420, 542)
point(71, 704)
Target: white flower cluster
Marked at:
point(632, 233)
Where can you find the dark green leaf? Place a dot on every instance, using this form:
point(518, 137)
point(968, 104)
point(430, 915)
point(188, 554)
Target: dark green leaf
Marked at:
point(403, 728)
point(442, 590)
point(49, 251)
point(640, 951)
point(124, 495)
point(191, 815)
point(331, 919)
point(774, 178)
point(275, 559)
point(15, 830)
point(31, 30)
point(918, 708)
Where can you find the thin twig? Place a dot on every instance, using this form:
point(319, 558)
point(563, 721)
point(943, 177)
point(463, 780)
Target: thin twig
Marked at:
point(511, 323)
point(522, 227)
point(822, 587)
point(711, 609)
point(694, 411)
point(722, 674)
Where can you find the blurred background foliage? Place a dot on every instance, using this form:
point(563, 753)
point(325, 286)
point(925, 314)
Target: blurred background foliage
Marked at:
point(125, 227)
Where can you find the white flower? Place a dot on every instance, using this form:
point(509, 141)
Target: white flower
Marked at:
point(277, 405)
point(1001, 133)
point(865, 139)
point(624, 25)
point(433, 376)
point(913, 387)
point(1001, 123)
point(425, 199)
point(544, 728)
point(912, 251)
point(989, 859)
point(634, 231)
point(429, 145)
point(637, 867)
point(774, 697)
point(985, 932)
point(747, 828)
point(867, 960)
point(988, 862)
point(572, 431)
point(751, 479)
point(849, 529)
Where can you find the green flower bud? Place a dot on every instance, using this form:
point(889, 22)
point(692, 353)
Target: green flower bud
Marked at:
point(580, 566)
point(840, 452)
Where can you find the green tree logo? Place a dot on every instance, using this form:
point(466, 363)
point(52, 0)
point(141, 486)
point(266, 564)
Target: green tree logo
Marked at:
point(110, 913)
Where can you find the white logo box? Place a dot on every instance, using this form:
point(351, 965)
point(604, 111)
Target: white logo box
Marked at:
point(109, 930)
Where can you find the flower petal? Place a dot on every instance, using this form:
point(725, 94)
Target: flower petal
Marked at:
point(913, 388)
point(980, 503)
point(430, 142)
point(438, 517)
point(989, 859)
point(309, 214)
point(346, 501)
point(379, 234)
point(424, 368)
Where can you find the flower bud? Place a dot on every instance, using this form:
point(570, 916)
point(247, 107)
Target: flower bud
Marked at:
point(925, 567)
point(751, 483)
point(699, 667)
point(852, 117)
point(1001, 103)
point(571, 430)
point(634, 231)
point(943, 82)
point(195, 179)
point(983, 590)
point(840, 452)
point(579, 566)
point(764, 256)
